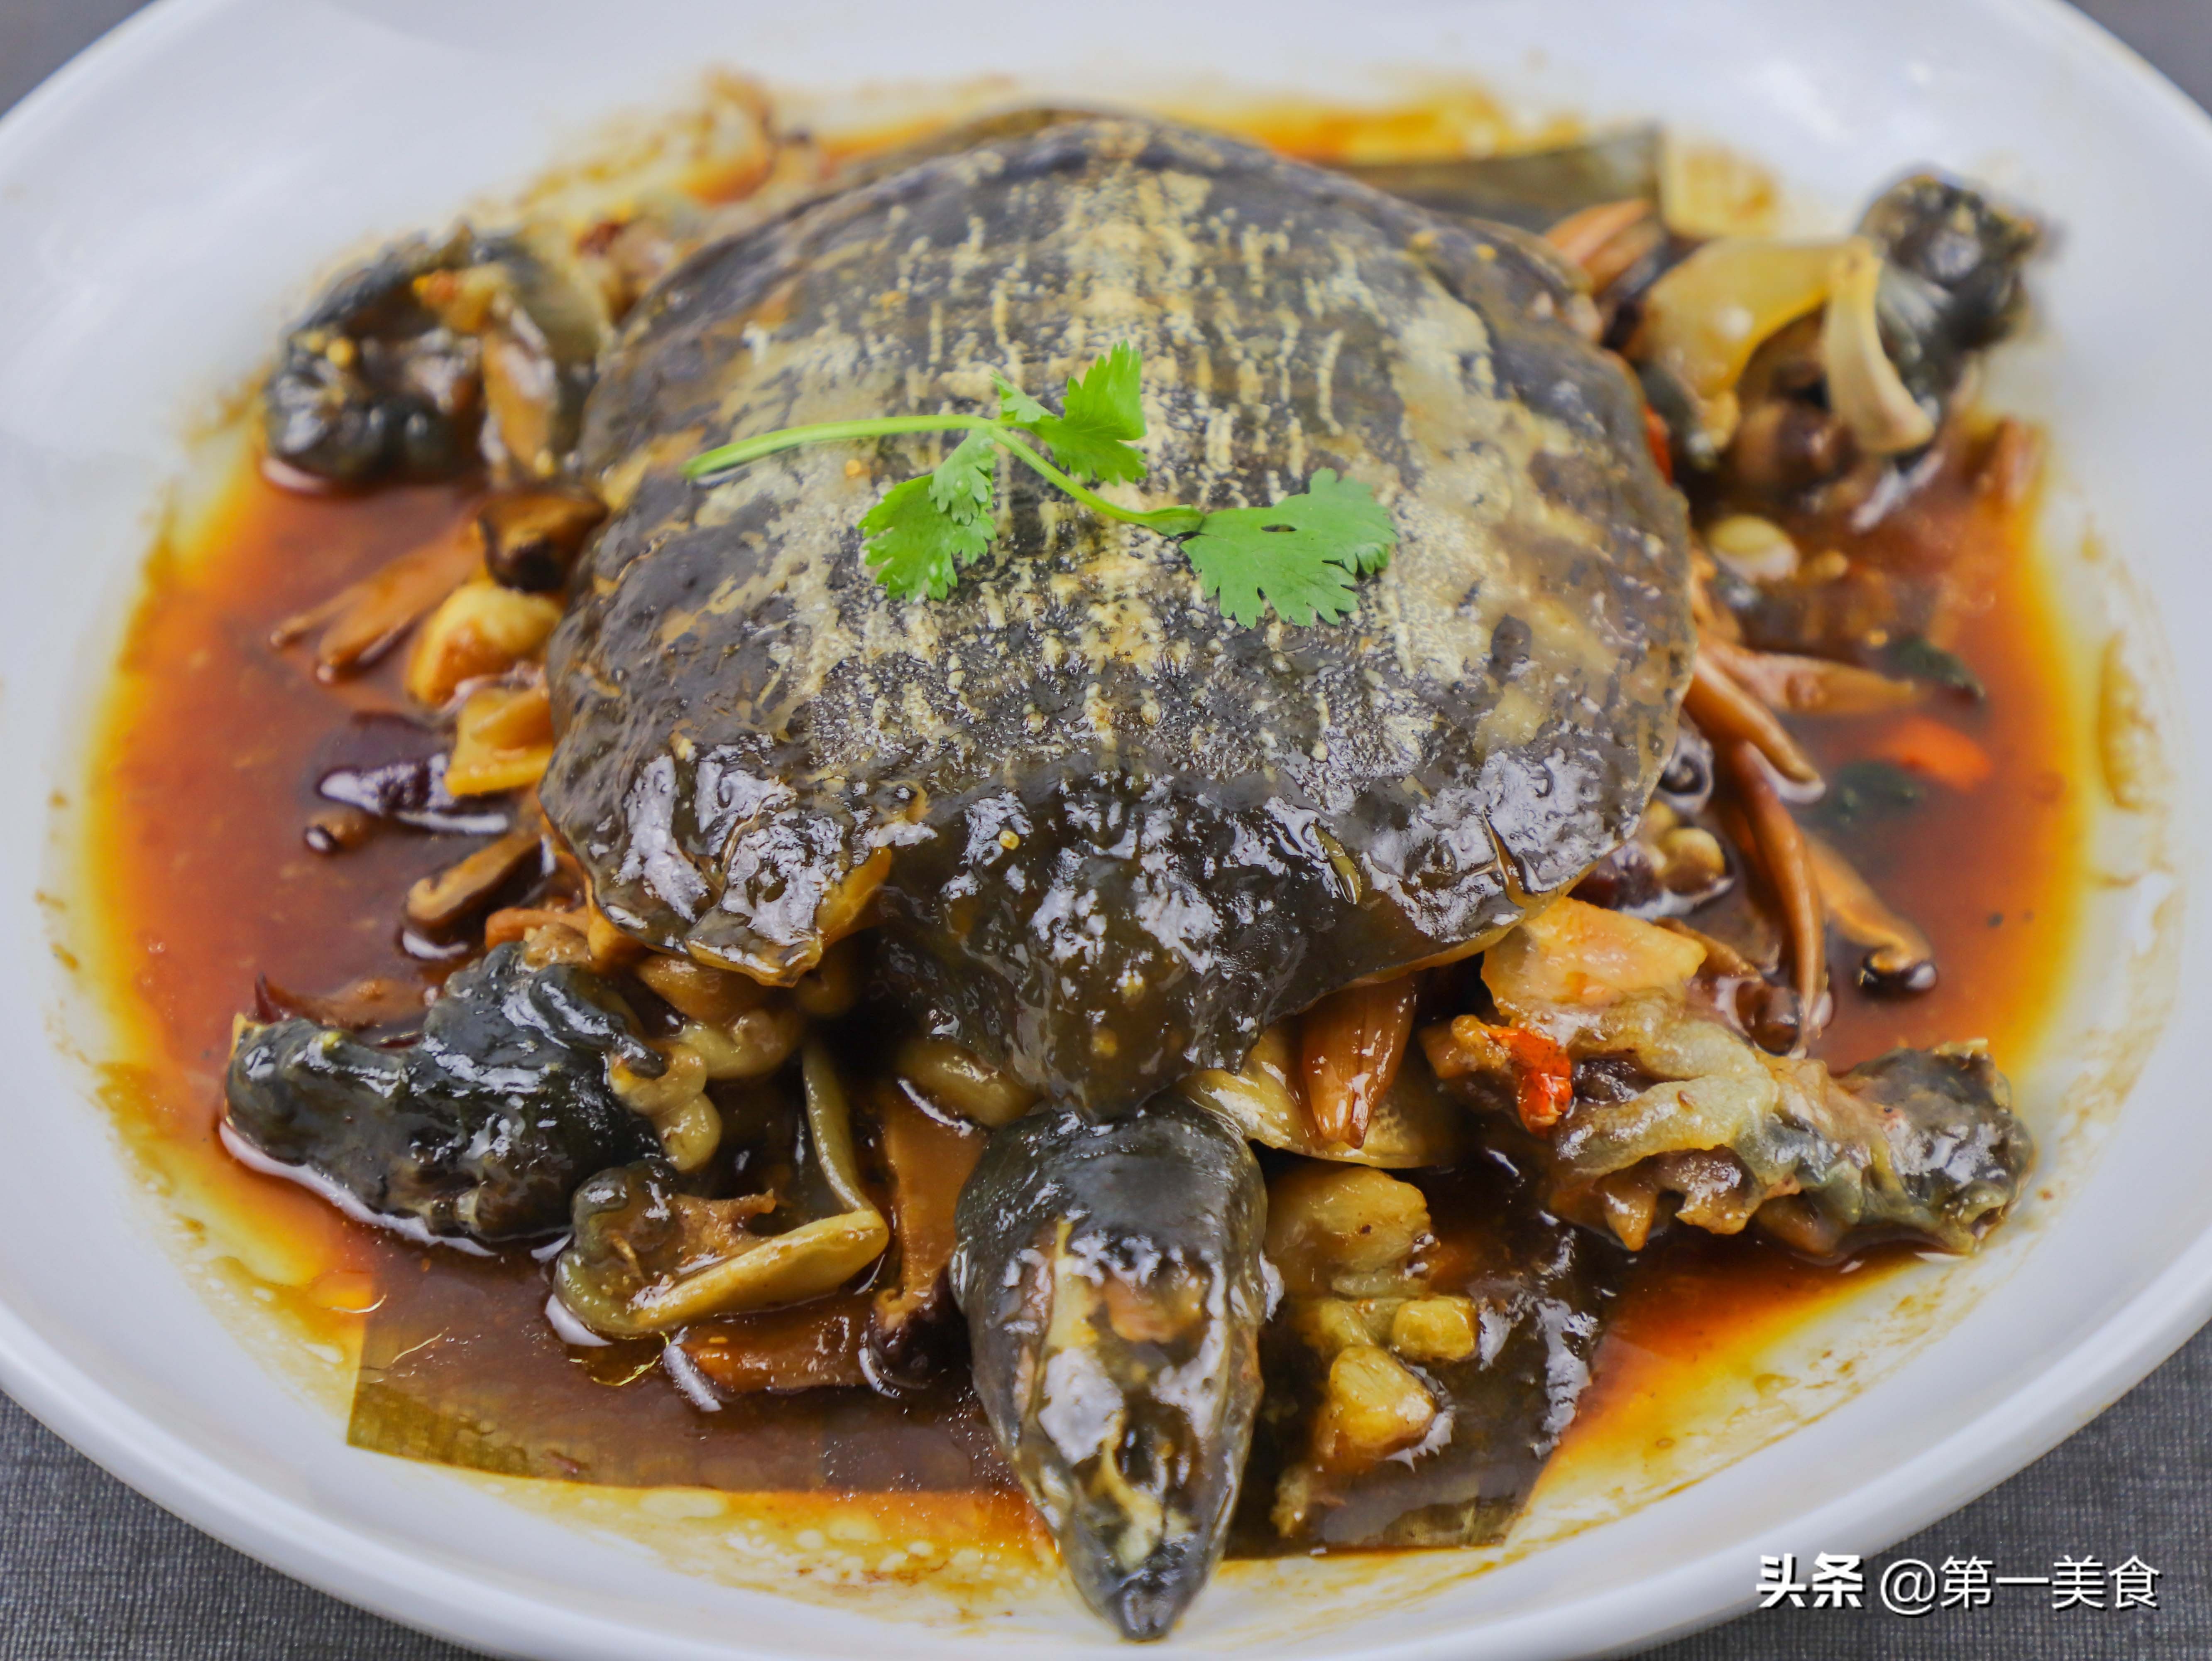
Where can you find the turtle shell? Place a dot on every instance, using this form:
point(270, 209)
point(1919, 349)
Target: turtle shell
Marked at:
point(1107, 835)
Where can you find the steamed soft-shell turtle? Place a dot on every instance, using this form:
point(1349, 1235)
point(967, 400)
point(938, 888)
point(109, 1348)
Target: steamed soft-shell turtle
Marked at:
point(1114, 849)
point(1110, 835)
point(1107, 835)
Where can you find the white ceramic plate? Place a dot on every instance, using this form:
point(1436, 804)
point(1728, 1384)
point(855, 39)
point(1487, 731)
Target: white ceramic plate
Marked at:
point(168, 199)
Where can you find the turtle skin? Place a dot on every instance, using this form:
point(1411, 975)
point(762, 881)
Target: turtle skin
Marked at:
point(1106, 835)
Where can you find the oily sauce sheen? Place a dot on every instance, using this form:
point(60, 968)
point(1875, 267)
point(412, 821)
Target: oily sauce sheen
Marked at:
point(201, 884)
point(207, 762)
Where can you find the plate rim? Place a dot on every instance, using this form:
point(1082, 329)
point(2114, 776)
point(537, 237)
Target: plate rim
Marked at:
point(413, 1590)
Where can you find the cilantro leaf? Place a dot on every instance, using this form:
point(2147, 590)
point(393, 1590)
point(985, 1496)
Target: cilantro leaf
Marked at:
point(1301, 556)
point(915, 547)
point(1108, 399)
point(1016, 407)
point(1099, 412)
point(1247, 579)
point(1344, 512)
point(961, 484)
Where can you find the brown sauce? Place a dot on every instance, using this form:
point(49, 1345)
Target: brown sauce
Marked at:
point(201, 781)
point(206, 761)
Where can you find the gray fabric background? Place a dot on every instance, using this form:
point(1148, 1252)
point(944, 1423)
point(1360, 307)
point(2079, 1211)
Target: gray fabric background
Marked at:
point(89, 1571)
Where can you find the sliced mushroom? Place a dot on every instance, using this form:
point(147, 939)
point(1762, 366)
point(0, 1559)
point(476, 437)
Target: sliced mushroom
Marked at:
point(502, 740)
point(646, 1259)
point(373, 1000)
point(740, 1029)
point(364, 620)
point(467, 886)
point(929, 1159)
point(516, 922)
point(832, 987)
point(808, 1346)
point(961, 1083)
point(530, 537)
point(1704, 319)
point(1606, 239)
point(1898, 958)
point(480, 630)
point(819, 1345)
point(1781, 848)
point(700, 990)
point(1812, 686)
point(1726, 712)
point(1753, 548)
point(339, 829)
point(1864, 388)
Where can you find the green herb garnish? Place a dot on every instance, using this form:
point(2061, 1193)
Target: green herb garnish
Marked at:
point(1918, 658)
point(1302, 555)
point(1864, 793)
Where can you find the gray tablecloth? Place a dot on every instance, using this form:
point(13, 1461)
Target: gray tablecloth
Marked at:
point(89, 1571)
